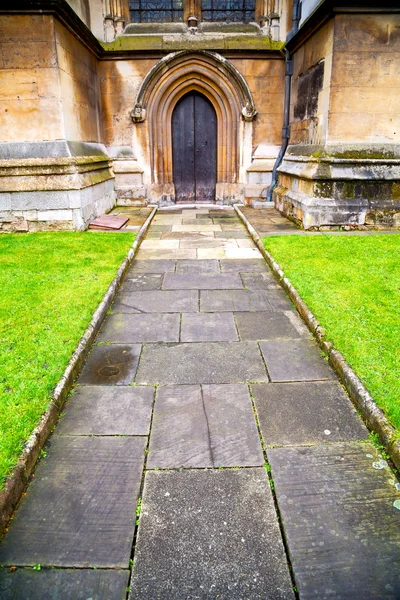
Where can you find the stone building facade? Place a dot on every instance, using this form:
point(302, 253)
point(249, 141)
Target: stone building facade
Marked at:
point(297, 102)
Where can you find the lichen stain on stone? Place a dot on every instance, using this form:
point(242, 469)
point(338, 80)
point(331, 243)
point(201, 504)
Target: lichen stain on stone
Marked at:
point(380, 464)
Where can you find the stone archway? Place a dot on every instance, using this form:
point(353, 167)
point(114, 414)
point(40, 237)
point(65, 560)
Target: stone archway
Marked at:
point(221, 83)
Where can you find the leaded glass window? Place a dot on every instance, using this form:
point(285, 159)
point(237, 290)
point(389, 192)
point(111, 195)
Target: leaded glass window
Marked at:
point(228, 11)
point(156, 11)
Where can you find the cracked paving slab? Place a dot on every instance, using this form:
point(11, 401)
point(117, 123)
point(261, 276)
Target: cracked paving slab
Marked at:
point(204, 426)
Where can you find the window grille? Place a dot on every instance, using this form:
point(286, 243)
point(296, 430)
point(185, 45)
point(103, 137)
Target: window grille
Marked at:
point(242, 11)
point(156, 11)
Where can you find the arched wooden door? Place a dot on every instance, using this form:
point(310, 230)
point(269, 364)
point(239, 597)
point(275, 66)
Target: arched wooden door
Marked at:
point(194, 149)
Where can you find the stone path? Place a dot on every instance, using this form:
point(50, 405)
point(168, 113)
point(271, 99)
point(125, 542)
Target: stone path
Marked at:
point(206, 407)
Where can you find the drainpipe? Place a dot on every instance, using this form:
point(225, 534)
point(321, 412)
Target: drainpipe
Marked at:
point(286, 109)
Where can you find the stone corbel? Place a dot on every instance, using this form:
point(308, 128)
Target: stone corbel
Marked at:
point(138, 114)
point(248, 112)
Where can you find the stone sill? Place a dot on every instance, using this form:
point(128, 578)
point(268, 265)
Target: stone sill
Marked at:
point(33, 167)
point(199, 41)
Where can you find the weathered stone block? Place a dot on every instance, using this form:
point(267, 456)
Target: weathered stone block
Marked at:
point(55, 215)
point(5, 202)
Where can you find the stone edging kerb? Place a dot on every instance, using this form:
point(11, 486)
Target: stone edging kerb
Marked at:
point(16, 483)
point(372, 414)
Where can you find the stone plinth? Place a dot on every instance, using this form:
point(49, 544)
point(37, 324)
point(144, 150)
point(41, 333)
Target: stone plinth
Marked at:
point(340, 186)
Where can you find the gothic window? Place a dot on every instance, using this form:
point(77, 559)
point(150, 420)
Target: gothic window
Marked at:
point(242, 11)
point(156, 11)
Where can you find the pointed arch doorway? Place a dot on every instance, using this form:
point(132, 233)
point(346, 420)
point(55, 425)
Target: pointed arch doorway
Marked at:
point(194, 149)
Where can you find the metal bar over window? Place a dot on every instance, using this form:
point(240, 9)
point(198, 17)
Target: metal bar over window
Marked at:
point(156, 11)
point(228, 11)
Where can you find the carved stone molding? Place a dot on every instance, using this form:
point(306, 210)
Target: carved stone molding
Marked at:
point(174, 76)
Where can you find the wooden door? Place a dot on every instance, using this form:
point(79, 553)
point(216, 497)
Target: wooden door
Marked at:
point(194, 149)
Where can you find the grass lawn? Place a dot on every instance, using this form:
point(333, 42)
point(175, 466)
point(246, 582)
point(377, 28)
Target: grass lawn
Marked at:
point(51, 283)
point(352, 285)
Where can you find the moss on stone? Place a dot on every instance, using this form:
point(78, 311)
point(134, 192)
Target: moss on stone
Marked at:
point(134, 42)
point(348, 190)
point(129, 43)
point(396, 191)
point(358, 154)
point(355, 154)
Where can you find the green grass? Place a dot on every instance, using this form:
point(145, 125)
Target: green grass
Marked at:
point(352, 285)
point(51, 283)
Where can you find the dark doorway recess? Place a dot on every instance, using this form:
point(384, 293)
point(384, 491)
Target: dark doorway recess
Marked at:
point(194, 149)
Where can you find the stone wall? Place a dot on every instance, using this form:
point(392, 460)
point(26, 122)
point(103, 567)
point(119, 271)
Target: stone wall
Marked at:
point(29, 80)
point(311, 88)
point(54, 169)
point(365, 84)
point(342, 166)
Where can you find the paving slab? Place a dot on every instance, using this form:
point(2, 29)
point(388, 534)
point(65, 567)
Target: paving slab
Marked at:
point(242, 253)
point(63, 584)
point(151, 266)
point(159, 244)
point(315, 412)
point(193, 220)
point(264, 326)
point(211, 253)
point(166, 254)
point(259, 281)
point(79, 511)
point(161, 227)
point(208, 327)
point(246, 243)
point(111, 365)
point(231, 226)
point(197, 227)
point(209, 534)
point(163, 301)
point(278, 300)
point(204, 362)
point(179, 436)
point(295, 360)
point(234, 438)
point(154, 235)
point(199, 267)
point(217, 281)
point(234, 300)
point(255, 265)
point(137, 282)
point(341, 525)
point(100, 410)
point(189, 235)
point(224, 219)
point(209, 243)
point(238, 235)
point(129, 328)
point(204, 426)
